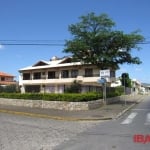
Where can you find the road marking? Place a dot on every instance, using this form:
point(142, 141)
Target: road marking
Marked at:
point(147, 119)
point(130, 118)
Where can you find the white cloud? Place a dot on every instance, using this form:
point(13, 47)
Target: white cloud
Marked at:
point(1, 46)
point(138, 69)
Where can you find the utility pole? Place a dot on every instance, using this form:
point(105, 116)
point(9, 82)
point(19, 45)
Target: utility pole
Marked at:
point(124, 84)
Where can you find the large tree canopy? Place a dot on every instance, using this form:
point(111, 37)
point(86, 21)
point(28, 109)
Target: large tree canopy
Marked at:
point(96, 41)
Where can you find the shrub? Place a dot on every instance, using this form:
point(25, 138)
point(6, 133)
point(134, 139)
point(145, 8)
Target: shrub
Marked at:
point(8, 89)
point(75, 87)
point(71, 97)
point(53, 97)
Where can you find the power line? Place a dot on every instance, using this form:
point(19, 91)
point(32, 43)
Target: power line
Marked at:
point(32, 40)
point(32, 44)
point(40, 42)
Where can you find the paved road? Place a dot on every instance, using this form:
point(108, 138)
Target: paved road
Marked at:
point(29, 133)
point(115, 134)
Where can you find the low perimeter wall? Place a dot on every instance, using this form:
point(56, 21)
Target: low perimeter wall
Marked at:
point(61, 105)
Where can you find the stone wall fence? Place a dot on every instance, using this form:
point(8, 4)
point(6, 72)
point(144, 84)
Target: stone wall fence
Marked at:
point(63, 105)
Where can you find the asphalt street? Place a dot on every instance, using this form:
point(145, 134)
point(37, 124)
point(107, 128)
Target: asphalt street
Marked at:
point(19, 132)
point(29, 132)
point(115, 134)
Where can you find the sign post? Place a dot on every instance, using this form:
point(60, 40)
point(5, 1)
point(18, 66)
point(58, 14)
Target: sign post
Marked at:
point(103, 75)
point(103, 82)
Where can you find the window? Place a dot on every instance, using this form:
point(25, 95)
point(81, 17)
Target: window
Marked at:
point(37, 75)
point(26, 76)
point(74, 73)
point(32, 88)
point(51, 75)
point(88, 72)
point(65, 74)
point(2, 78)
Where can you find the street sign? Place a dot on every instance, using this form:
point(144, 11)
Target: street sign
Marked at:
point(102, 80)
point(105, 73)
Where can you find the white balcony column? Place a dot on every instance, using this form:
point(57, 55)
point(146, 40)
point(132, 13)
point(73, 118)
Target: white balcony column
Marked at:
point(46, 75)
point(42, 88)
point(59, 72)
point(31, 75)
point(69, 73)
point(22, 88)
point(56, 88)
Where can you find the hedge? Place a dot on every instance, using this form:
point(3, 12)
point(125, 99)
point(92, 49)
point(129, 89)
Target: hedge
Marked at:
point(53, 97)
point(71, 97)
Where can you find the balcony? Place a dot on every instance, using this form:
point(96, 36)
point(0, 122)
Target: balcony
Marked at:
point(91, 75)
point(8, 82)
point(65, 80)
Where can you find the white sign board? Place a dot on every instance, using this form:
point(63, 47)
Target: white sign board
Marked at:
point(105, 73)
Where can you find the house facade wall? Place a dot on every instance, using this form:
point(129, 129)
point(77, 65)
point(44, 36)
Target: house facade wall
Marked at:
point(56, 79)
point(57, 83)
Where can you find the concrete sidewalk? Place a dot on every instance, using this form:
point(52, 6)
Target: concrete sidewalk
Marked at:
point(106, 112)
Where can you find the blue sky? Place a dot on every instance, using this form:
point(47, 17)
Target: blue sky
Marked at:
point(49, 20)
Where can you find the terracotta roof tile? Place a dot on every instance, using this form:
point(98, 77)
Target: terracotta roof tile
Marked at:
point(5, 74)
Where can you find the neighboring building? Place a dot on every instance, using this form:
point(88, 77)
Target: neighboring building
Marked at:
point(146, 86)
point(6, 79)
point(136, 86)
point(135, 89)
point(55, 75)
point(116, 83)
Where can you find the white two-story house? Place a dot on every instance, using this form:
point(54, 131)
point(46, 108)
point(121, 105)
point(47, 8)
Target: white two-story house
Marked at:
point(55, 75)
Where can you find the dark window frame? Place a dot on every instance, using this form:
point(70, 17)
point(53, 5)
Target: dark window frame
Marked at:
point(26, 76)
point(74, 73)
point(88, 72)
point(51, 74)
point(65, 74)
point(36, 75)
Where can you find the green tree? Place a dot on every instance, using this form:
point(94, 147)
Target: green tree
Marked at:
point(96, 41)
point(75, 87)
point(125, 80)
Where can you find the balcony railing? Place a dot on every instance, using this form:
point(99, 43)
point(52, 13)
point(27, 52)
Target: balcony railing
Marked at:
point(91, 75)
point(62, 77)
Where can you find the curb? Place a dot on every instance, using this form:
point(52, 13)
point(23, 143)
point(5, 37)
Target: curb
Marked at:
point(29, 114)
point(52, 117)
point(124, 111)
